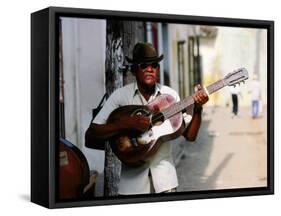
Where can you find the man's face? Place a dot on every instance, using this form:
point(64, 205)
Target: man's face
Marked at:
point(147, 74)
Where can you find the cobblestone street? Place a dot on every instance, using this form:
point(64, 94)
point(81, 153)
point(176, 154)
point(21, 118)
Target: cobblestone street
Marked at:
point(228, 153)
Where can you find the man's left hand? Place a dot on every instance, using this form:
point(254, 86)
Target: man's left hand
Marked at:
point(200, 96)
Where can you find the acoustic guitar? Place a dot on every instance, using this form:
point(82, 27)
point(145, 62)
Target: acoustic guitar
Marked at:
point(166, 122)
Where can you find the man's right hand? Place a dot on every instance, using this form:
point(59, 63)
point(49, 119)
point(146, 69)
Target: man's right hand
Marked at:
point(137, 123)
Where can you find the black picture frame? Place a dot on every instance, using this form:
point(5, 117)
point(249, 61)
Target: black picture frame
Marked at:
point(45, 97)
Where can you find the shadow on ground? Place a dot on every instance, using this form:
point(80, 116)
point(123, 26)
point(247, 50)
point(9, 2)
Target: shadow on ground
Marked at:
point(191, 168)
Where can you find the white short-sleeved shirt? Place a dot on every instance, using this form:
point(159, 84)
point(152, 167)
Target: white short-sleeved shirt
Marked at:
point(161, 166)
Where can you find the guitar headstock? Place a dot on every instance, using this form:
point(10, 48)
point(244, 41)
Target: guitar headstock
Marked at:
point(236, 77)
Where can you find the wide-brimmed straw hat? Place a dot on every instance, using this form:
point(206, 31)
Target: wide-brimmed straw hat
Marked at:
point(144, 53)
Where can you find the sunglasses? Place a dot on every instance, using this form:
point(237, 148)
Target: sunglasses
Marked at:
point(145, 65)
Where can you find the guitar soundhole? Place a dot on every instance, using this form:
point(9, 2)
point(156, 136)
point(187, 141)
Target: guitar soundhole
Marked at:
point(141, 112)
point(157, 118)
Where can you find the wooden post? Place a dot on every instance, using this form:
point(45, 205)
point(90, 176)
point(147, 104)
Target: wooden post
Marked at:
point(120, 39)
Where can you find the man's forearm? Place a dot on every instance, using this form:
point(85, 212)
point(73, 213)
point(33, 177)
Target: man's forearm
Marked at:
point(102, 131)
point(192, 129)
point(123, 124)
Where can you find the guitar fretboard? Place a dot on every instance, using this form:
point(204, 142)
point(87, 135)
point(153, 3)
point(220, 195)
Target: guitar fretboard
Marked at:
point(182, 105)
point(215, 86)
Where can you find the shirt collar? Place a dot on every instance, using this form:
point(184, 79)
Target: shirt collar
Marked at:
point(156, 92)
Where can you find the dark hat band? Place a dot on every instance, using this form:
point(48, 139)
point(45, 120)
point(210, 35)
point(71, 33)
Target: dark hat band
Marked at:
point(145, 59)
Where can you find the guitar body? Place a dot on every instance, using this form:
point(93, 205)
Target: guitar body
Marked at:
point(74, 171)
point(133, 148)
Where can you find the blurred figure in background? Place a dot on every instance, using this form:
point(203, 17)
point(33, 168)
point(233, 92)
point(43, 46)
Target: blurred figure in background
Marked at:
point(235, 91)
point(255, 91)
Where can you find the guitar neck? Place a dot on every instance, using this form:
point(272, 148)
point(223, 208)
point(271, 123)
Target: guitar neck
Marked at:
point(182, 105)
point(216, 86)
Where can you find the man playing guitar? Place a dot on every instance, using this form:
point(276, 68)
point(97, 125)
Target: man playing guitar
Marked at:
point(158, 173)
